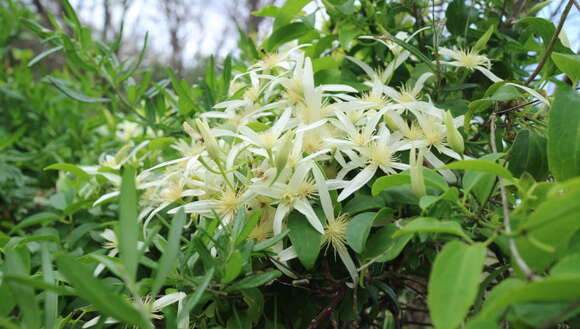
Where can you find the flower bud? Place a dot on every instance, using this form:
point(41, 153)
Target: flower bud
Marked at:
point(417, 181)
point(394, 121)
point(209, 140)
point(281, 157)
point(454, 137)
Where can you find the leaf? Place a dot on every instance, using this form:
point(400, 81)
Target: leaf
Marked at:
point(481, 324)
point(431, 179)
point(128, 226)
point(233, 267)
point(271, 241)
point(550, 289)
point(305, 239)
point(480, 165)
point(70, 168)
point(93, 291)
point(255, 280)
point(44, 54)
point(36, 219)
point(60, 85)
point(285, 34)
point(358, 230)
point(482, 41)
point(363, 203)
point(454, 282)
point(564, 135)
point(17, 264)
point(193, 299)
point(416, 52)
point(459, 15)
point(384, 246)
point(478, 182)
point(569, 64)
point(528, 154)
point(170, 253)
point(552, 224)
point(432, 225)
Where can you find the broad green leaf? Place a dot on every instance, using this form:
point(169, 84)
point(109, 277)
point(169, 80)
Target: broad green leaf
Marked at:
point(549, 229)
point(384, 246)
point(70, 168)
point(454, 282)
point(478, 182)
point(569, 265)
point(358, 230)
point(305, 239)
point(431, 179)
point(170, 253)
point(432, 225)
point(480, 165)
point(60, 85)
point(528, 154)
point(363, 203)
point(550, 289)
point(481, 324)
point(564, 135)
point(569, 64)
point(128, 227)
point(233, 267)
point(194, 298)
point(285, 34)
point(93, 291)
point(459, 15)
point(255, 280)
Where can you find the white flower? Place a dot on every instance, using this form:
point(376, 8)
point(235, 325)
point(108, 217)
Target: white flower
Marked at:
point(470, 59)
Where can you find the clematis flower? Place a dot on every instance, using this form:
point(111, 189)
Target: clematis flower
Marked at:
point(470, 59)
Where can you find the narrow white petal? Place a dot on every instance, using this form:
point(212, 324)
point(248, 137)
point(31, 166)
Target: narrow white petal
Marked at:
point(488, 74)
point(357, 182)
point(304, 207)
point(281, 212)
point(168, 300)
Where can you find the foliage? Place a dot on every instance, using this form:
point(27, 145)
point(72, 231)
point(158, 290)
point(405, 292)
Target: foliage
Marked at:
point(370, 167)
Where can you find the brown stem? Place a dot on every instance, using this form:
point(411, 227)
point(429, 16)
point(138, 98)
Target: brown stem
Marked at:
point(327, 311)
point(552, 43)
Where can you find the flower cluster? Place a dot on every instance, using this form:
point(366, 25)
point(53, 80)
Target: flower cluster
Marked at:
point(282, 144)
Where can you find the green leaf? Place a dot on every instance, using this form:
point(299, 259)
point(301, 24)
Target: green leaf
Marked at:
point(459, 15)
point(478, 182)
point(383, 246)
point(36, 219)
point(552, 224)
point(482, 41)
point(454, 282)
point(17, 264)
point(285, 34)
point(305, 239)
point(170, 253)
point(431, 179)
point(93, 291)
point(233, 267)
point(432, 225)
point(70, 168)
point(60, 85)
point(416, 52)
point(44, 54)
point(569, 64)
point(480, 165)
point(128, 226)
point(255, 280)
point(564, 135)
point(481, 324)
point(271, 241)
point(528, 154)
point(193, 299)
point(550, 289)
point(358, 230)
point(363, 203)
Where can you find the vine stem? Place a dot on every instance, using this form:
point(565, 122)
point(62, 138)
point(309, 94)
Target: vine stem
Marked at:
point(552, 43)
point(327, 311)
point(506, 213)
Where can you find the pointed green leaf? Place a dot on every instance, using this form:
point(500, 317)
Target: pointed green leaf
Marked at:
point(128, 227)
point(564, 135)
point(305, 239)
point(454, 282)
point(358, 230)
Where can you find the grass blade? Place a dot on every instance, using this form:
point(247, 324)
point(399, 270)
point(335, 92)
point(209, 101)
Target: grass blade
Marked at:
point(129, 227)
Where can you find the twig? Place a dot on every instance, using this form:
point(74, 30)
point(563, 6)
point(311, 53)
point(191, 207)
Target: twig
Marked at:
point(552, 43)
point(325, 313)
point(506, 215)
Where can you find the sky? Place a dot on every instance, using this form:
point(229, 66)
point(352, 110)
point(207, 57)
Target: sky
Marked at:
point(145, 15)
